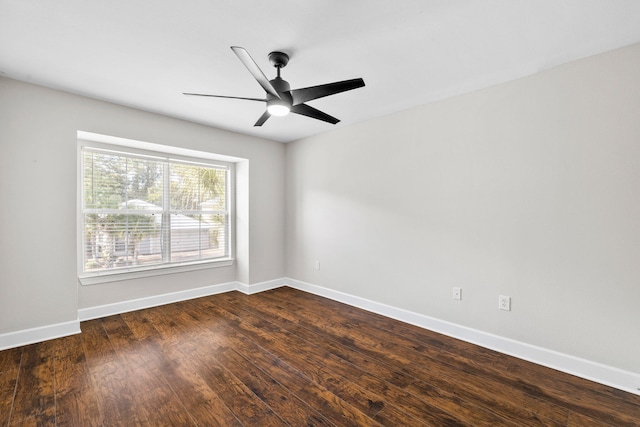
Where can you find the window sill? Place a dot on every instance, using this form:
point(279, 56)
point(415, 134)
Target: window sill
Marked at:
point(116, 276)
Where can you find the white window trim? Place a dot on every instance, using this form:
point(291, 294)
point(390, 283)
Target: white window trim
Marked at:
point(124, 274)
point(127, 146)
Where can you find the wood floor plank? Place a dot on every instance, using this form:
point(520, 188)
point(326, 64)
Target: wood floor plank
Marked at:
point(77, 403)
point(580, 420)
point(200, 401)
point(155, 399)
point(330, 372)
point(9, 369)
point(416, 356)
point(555, 391)
point(286, 358)
point(288, 407)
point(236, 395)
point(139, 356)
point(481, 397)
point(488, 357)
point(334, 408)
point(559, 386)
point(292, 322)
point(331, 406)
point(118, 399)
point(414, 362)
point(243, 402)
point(280, 345)
point(423, 410)
point(34, 401)
point(499, 400)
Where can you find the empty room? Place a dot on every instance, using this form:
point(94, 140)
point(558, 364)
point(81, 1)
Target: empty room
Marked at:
point(356, 213)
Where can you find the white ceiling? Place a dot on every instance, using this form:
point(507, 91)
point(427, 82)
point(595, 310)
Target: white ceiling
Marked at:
point(145, 53)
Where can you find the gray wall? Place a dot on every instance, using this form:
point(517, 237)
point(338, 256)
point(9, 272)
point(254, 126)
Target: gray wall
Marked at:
point(38, 163)
point(529, 189)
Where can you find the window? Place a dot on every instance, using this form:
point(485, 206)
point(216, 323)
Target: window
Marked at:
point(145, 211)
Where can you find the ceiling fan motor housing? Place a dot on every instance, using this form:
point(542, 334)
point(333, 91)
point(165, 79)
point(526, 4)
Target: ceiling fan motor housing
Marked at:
point(279, 59)
point(282, 105)
point(282, 87)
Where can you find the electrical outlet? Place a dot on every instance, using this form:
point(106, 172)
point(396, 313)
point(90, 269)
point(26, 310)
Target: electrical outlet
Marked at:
point(457, 293)
point(504, 302)
point(317, 265)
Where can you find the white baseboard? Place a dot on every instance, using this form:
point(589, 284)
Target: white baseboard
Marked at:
point(593, 371)
point(153, 301)
point(156, 300)
point(34, 335)
point(30, 336)
point(260, 287)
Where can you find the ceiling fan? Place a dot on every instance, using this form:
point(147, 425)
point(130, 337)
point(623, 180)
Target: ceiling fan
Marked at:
point(280, 99)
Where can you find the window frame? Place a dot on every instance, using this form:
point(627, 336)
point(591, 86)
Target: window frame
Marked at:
point(162, 153)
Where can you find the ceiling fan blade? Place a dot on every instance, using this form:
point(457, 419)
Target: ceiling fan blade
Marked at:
point(223, 96)
point(253, 68)
point(306, 110)
point(315, 92)
point(263, 118)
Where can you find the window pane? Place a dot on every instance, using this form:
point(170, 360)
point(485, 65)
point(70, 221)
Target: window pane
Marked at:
point(129, 223)
point(121, 240)
point(214, 187)
point(218, 235)
point(197, 187)
point(112, 181)
point(194, 238)
point(144, 184)
point(104, 180)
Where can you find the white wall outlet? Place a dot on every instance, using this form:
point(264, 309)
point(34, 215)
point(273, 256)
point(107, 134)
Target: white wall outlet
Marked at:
point(504, 302)
point(317, 265)
point(457, 293)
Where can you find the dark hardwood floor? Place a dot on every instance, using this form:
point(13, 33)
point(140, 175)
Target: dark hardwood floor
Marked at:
point(285, 357)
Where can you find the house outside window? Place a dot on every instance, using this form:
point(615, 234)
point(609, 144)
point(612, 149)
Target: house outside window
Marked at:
point(145, 211)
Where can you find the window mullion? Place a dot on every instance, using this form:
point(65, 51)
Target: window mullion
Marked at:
point(166, 213)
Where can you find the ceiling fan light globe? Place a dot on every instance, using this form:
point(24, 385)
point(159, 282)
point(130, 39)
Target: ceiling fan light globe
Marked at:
point(278, 110)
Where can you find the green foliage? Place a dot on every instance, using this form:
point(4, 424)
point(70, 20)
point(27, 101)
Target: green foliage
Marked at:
point(191, 186)
point(111, 180)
